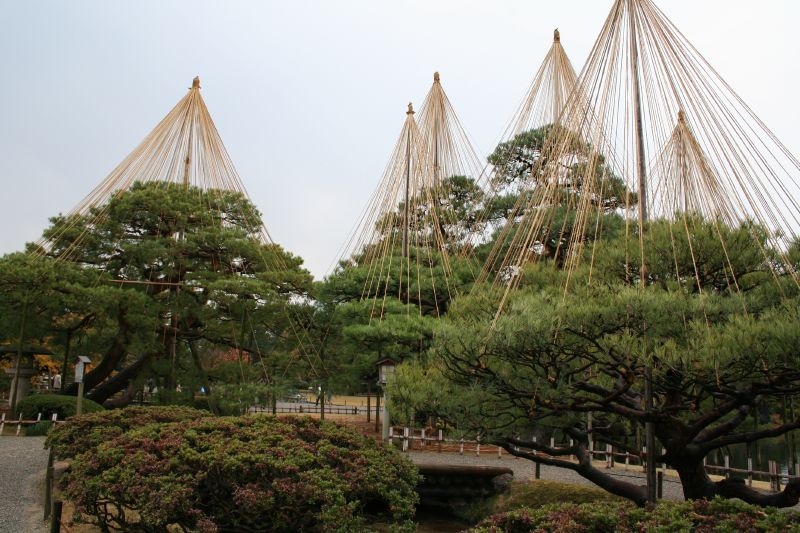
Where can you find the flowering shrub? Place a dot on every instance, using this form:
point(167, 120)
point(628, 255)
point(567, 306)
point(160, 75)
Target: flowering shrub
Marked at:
point(85, 432)
point(252, 473)
point(700, 516)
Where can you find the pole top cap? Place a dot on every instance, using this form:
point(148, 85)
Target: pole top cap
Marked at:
point(556, 36)
point(410, 109)
point(196, 82)
point(436, 77)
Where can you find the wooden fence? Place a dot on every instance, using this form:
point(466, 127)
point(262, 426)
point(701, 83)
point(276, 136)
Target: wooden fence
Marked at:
point(20, 423)
point(311, 409)
point(435, 440)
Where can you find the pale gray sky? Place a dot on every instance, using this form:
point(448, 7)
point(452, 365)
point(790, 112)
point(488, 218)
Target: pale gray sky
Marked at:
point(309, 96)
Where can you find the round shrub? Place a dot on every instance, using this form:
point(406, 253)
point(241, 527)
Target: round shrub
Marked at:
point(702, 516)
point(251, 473)
point(85, 432)
point(49, 404)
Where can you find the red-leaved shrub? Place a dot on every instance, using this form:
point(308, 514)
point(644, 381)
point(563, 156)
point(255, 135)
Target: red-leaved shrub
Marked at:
point(251, 473)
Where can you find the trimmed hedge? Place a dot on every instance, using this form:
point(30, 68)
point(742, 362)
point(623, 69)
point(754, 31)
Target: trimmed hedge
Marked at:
point(49, 404)
point(87, 431)
point(251, 473)
point(700, 516)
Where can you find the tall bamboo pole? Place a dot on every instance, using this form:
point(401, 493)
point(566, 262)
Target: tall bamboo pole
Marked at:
point(408, 186)
point(436, 124)
point(641, 167)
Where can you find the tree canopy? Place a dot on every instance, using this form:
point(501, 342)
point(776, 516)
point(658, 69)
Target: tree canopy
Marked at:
point(165, 274)
point(719, 356)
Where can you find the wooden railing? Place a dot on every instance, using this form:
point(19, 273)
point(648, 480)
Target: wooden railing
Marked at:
point(410, 439)
point(20, 423)
point(311, 409)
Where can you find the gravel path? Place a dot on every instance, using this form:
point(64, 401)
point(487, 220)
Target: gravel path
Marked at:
point(23, 461)
point(525, 470)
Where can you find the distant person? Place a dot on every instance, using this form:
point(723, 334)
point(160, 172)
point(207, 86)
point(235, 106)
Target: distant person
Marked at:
point(57, 382)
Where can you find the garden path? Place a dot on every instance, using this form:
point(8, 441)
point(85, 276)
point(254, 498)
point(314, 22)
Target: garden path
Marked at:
point(23, 461)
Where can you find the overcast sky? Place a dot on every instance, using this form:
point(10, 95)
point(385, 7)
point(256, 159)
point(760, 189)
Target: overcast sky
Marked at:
point(309, 96)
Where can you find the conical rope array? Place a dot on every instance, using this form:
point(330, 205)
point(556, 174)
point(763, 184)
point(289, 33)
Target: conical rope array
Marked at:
point(653, 132)
point(511, 171)
point(183, 150)
point(410, 228)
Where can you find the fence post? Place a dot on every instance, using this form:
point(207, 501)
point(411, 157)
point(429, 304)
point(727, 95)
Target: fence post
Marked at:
point(391, 434)
point(609, 456)
point(377, 413)
point(478, 446)
point(537, 471)
point(55, 418)
point(499, 452)
point(749, 471)
point(572, 457)
point(440, 441)
point(48, 485)
point(552, 442)
point(405, 439)
point(369, 406)
point(727, 467)
point(2, 423)
point(660, 484)
point(422, 437)
point(773, 476)
point(627, 459)
point(55, 524)
point(39, 417)
point(19, 424)
point(644, 458)
point(461, 446)
point(534, 450)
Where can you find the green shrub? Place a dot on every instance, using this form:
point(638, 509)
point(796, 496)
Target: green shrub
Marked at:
point(701, 516)
point(251, 473)
point(49, 404)
point(542, 492)
point(39, 428)
point(533, 494)
point(84, 432)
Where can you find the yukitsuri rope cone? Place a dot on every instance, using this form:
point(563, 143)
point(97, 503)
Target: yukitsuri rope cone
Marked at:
point(399, 233)
point(409, 230)
point(655, 141)
point(539, 110)
point(184, 148)
point(653, 132)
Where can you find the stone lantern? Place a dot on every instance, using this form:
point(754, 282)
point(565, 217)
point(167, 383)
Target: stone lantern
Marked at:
point(385, 372)
point(22, 387)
